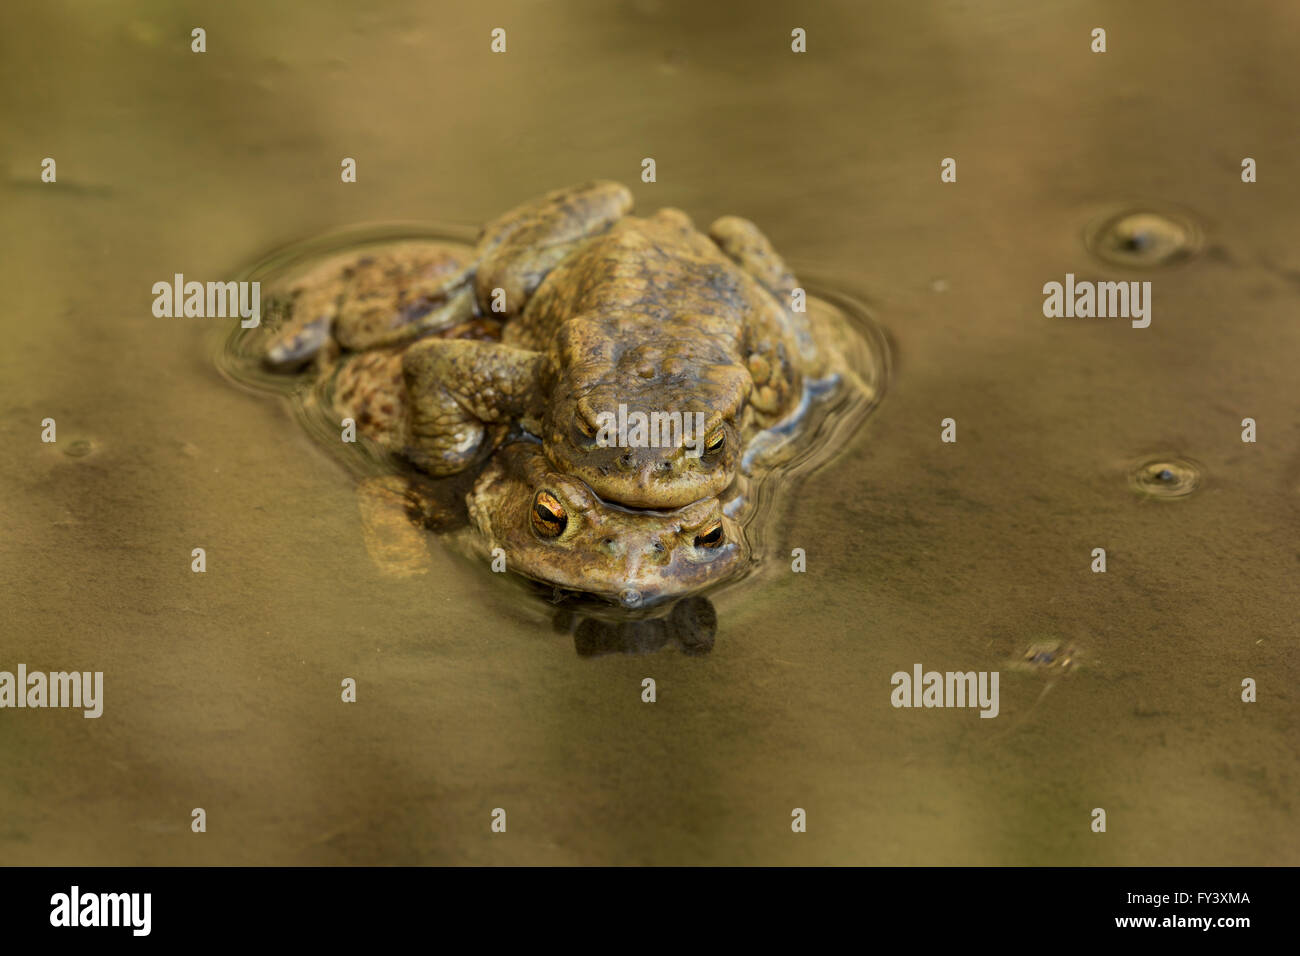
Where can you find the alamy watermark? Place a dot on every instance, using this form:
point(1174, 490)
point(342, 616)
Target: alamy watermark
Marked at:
point(75, 908)
point(1102, 300)
point(77, 689)
point(626, 429)
point(951, 689)
point(211, 300)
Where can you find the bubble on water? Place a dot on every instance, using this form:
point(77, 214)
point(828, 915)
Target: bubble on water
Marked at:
point(79, 448)
point(1143, 238)
point(1167, 477)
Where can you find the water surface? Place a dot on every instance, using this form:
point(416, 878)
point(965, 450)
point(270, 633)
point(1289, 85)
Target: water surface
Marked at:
point(222, 689)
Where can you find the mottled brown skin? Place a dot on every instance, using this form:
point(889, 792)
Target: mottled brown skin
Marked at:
point(353, 316)
point(369, 388)
point(605, 310)
point(632, 558)
point(600, 310)
point(379, 299)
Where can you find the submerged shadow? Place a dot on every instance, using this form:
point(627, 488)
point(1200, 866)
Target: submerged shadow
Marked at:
point(691, 625)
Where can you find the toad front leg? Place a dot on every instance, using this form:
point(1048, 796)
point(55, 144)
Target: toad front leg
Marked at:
point(455, 388)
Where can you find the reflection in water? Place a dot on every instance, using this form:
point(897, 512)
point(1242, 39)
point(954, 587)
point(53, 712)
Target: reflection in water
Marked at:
point(691, 625)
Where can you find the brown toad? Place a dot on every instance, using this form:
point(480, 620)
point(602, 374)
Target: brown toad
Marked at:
point(548, 526)
point(606, 314)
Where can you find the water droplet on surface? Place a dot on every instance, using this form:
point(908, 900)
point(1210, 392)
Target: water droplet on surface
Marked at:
point(1167, 477)
point(1143, 239)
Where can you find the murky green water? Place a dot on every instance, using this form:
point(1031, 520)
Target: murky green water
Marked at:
point(222, 688)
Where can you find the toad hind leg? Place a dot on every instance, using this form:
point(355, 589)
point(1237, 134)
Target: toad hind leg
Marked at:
point(518, 250)
point(744, 244)
point(455, 388)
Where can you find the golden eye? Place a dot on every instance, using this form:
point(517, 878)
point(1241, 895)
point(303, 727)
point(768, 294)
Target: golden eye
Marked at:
point(717, 438)
point(711, 538)
point(548, 516)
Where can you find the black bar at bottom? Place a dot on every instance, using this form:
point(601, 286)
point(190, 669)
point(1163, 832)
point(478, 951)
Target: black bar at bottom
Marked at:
point(333, 905)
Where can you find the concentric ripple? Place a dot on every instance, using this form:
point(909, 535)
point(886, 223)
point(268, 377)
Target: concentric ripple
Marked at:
point(1167, 477)
point(1143, 238)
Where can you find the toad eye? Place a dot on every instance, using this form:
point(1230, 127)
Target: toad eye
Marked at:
point(716, 439)
point(548, 515)
point(710, 538)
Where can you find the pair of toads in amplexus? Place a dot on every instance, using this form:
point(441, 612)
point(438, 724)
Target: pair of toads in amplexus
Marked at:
point(508, 358)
